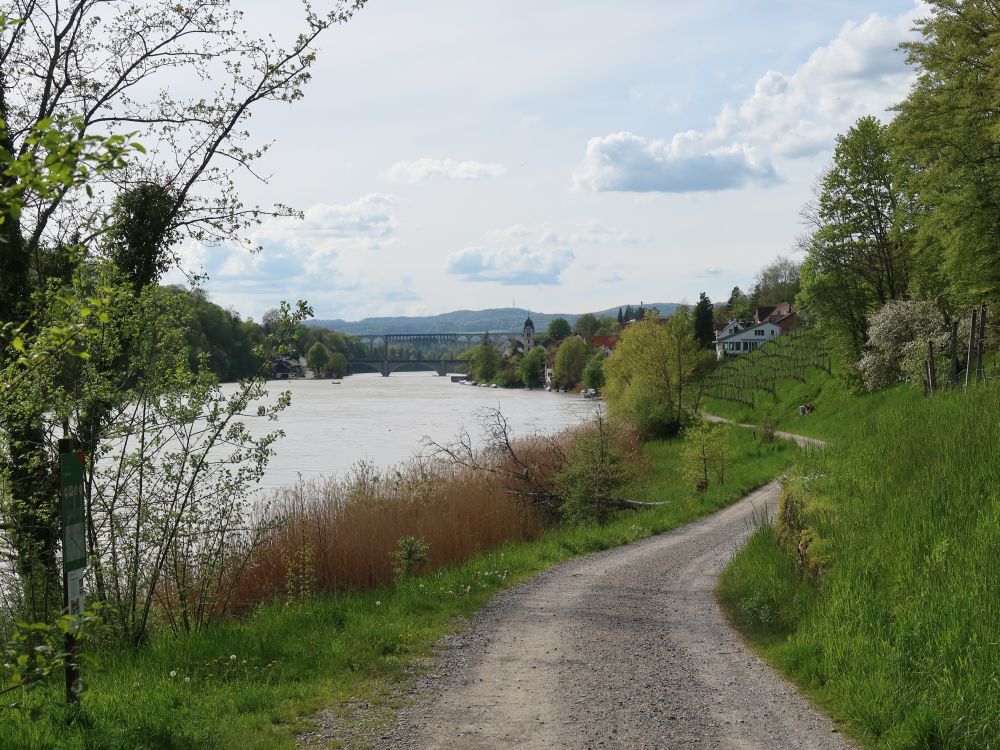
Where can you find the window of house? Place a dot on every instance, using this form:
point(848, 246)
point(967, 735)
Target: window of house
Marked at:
point(759, 332)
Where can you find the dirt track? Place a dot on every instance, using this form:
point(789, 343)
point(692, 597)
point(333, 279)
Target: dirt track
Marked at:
point(623, 649)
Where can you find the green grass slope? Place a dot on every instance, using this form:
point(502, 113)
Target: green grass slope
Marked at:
point(879, 586)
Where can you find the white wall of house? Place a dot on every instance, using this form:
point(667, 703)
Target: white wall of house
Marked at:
point(747, 341)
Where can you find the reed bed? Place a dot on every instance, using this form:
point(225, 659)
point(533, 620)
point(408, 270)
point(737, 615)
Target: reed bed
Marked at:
point(339, 534)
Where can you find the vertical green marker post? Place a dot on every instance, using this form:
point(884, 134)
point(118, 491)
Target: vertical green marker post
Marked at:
point(71, 464)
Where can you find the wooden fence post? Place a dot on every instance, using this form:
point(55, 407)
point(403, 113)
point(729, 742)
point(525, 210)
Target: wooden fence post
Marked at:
point(970, 354)
point(980, 372)
point(931, 374)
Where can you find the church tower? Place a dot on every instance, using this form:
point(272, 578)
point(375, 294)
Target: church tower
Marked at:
point(528, 336)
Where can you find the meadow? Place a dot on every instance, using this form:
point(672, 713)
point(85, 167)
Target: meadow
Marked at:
point(878, 586)
point(246, 682)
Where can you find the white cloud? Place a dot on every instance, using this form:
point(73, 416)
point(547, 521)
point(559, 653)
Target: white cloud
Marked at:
point(789, 116)
point(627, 162)
point(422, 170)
point(515, 256)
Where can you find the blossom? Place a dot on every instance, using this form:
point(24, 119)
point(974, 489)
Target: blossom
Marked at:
point(173, 673)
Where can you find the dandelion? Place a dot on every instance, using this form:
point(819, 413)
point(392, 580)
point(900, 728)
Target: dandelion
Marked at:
point(173, 673)
point(187, 679)
point(378, 603)
point(232, 657)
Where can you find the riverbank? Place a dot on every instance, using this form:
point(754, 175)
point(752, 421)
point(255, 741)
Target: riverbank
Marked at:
point(246, 683)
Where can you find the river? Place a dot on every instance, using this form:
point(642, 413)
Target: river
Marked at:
point(367, 417)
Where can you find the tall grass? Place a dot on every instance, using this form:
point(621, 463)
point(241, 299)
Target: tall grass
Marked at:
point(337, 534)
point(900, 635)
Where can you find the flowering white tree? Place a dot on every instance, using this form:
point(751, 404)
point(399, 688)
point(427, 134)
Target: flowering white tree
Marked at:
point(898, 337)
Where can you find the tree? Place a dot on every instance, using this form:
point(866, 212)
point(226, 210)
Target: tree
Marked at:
point(858, 253)
point(586, 325)
point(338, 364)
point(944, 140)
point(559, 329)
point(485, 362)
point(531, 368)
point(898, 338)
point(605, 326)
point(73, 72)
point(593, 372)
point(649, 371)
point(571, 357)
point(319, 358)
point(621, 317)
point(778, 281)
point(704, 321)
point(704, 454)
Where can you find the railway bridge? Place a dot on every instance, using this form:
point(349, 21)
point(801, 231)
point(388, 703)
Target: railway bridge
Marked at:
point(381, 350)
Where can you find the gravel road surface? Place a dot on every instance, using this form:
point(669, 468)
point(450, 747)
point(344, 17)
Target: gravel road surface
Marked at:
point(622, 649)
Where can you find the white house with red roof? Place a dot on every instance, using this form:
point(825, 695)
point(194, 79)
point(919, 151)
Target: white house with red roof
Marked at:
point(768, 324)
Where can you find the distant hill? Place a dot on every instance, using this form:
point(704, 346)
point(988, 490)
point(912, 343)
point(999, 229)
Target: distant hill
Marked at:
point(469, 321)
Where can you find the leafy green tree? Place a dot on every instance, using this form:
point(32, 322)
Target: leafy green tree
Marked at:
point(319, 358)
point(704, 321)
point(485, 361)
point(858, 254)
point(945, 142)
point(593, 372)
point(621, 317)
point(559, 329)
point(606, 326)
point(531, 368)
point(338, 364)
point(778, 281)
point(595, 472)
point(649, 372)
point(586, 325)
point(571, 357)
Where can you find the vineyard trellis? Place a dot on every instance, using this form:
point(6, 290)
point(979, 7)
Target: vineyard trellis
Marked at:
point(789, 356)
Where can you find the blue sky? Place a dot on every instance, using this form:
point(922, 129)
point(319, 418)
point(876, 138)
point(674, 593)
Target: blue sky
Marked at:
point(568, 155)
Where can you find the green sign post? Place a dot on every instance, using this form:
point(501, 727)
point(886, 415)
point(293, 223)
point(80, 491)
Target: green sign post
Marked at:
point(74, 545)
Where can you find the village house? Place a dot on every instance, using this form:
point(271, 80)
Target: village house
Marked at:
point(768, 324)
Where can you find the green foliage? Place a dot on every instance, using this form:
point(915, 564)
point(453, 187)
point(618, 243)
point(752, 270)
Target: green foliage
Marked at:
point(571, 358)
point(318, 358)
point(229, 346)
point(593, 372)
point(559, 329)
point(409, 557)
point(945, 144)
point(858, 256)
point(650, 371)
point(338, 364)
point(704, 321)
point(778, 281)
point(704, 454)
point(484, 362)
point(586, 325)
point(594, 473)
point(37, 652)
point(531, 368)
point(142, 230)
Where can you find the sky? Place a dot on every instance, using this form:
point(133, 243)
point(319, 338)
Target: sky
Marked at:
point(563, 156)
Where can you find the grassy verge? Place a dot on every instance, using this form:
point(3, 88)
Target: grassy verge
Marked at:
point(837, 411)
point(879, 587)
point(242, 684)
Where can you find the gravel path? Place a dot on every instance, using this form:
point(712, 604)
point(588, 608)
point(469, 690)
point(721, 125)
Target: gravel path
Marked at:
point(623, 649)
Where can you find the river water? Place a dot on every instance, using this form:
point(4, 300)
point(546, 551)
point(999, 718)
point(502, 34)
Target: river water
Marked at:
point(384, 420)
